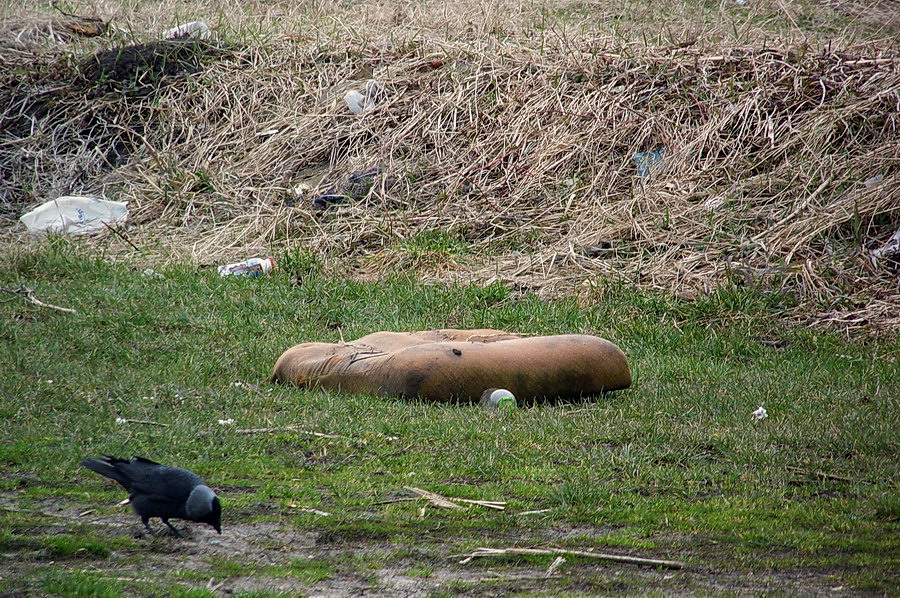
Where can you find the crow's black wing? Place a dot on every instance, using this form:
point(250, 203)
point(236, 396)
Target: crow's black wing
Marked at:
point(110, 467)
point(161, 481)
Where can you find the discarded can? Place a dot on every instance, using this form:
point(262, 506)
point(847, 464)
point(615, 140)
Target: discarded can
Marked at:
point(253, 267)
point(497, 399)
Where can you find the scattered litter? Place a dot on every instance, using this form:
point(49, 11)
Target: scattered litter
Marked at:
point(741, 2)
point(483, 552)
point(874, 181)
point(362, 102)
point(75, 215)
point(760, 413)
point(357, 186)
point(151, 273)
point(891, 248)
point(192, 30)
point(257, 266)
point(226, 422)
point(649, 163)
point(497, 399)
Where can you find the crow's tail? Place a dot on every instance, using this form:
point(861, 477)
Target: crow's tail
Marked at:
point(106, 466)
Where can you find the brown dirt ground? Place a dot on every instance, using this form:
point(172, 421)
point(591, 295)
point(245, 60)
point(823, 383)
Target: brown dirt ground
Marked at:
point(427, 568)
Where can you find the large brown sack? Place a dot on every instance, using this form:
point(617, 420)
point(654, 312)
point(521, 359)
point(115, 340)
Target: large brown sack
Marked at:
point(443, 365)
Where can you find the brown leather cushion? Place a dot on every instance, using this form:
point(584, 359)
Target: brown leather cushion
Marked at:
point(443, 365)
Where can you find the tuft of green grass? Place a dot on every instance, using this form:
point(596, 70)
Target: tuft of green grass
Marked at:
point(82, 584)
point(67, 545)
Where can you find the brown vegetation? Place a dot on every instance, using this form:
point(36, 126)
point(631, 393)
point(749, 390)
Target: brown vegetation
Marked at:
point(516, 131)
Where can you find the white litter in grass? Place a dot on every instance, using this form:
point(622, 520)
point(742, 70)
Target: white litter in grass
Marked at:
point(226, 422)
point(760, 413)
point(192, 30)
point(75, 215)
point(874, 181)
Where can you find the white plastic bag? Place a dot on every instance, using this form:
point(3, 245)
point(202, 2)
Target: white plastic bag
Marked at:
point(358, 102)
point(73, 215)
point(192, 30)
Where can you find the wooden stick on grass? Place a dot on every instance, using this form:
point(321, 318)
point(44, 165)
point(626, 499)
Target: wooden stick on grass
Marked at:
point(29, 294)
point(483, 552)
point(286, 429)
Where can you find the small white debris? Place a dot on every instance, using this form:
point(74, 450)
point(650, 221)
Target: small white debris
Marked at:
point(310, 510)
point(151, 273)
point(892, 247)
point(121, 421)
point(358, 102)
point(192, 30)
point(49, 381)
point(874, 181)
point(355, 101)
point(554, 566)
point(760, 413)
point(714, 203)
point(226, 422)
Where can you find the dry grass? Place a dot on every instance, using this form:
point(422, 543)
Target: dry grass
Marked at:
point(509, 127)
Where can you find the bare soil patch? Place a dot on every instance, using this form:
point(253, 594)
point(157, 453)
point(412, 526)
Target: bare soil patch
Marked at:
point(360, 565)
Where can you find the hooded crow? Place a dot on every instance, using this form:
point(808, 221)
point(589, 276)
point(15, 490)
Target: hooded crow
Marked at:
point(161, 491)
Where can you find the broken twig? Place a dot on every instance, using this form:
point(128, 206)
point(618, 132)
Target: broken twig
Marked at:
point(146, 422)
point(121, 235)
point(287, 429)
point(482, 552)
point(447, 503)
point(29, 294)
point(435, 499)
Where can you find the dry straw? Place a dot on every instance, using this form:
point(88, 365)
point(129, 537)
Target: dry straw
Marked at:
point(555, 161)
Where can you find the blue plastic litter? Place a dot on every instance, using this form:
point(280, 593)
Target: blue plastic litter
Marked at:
point(649, 163)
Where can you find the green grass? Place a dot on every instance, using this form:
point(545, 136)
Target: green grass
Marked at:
point(675, 467)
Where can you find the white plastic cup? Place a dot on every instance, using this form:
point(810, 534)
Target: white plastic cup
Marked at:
point(497, 399)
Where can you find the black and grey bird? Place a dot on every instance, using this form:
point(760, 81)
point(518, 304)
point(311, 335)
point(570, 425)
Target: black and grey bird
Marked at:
point(161, 491)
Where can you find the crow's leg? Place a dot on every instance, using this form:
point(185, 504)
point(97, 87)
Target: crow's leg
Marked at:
point(146, 521)
point(172, 527)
